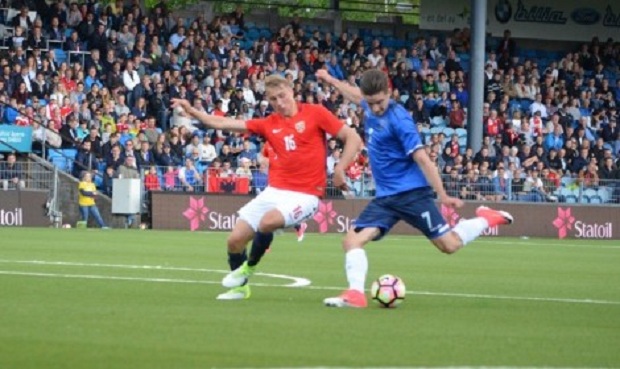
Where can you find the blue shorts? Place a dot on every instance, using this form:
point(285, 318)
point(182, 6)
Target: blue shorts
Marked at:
point(416, 207)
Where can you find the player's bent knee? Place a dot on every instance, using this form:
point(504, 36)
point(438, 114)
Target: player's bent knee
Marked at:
point(355, 239)
point(235, 243)
point(448, 243)
point(241, 234)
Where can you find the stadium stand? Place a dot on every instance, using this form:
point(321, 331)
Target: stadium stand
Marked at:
point(106, 76)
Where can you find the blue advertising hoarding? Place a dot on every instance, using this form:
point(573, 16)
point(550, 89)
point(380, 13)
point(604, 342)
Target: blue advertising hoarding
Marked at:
point(15, 138)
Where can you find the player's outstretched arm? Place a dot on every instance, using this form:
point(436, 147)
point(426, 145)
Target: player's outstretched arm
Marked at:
point(351, 93)
point(352, 144)
point(432, 176)
point(213, 121)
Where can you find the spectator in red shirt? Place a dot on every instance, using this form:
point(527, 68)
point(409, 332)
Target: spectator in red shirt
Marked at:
point(457, 115)
point(493, 124)
point(151, 180)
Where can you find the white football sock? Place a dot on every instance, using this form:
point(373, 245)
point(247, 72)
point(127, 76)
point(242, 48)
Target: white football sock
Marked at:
point(356, 266)
point(468, 230)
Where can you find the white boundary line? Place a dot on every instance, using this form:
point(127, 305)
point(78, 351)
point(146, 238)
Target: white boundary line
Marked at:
point(297, 284)
point(434, 367)
point(297, 281)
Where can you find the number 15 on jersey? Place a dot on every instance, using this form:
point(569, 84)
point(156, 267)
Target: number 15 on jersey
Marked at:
point(289, 143)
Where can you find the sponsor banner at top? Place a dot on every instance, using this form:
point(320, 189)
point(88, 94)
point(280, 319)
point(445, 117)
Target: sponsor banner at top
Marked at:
point(567, 20)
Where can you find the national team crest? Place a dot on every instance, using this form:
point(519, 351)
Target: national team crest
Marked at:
point(300, 126)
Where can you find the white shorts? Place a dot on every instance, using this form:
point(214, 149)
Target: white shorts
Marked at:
point(295, 207)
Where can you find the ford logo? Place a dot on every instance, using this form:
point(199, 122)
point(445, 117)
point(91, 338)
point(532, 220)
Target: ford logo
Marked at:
point(585, 16)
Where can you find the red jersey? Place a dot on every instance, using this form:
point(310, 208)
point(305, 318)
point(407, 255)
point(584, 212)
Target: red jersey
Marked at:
point(493, 126)
point(267, 151)
point(299, 147)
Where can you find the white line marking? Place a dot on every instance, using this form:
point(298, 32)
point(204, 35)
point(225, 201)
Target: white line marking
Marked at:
point(297, 284)
point(297, 281)
point(434, 367)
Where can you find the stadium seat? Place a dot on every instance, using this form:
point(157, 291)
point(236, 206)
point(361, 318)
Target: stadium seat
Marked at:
point(564, 192)
point(462, 132)
point(69, 153)
point(448, 132)
point(62, 163)
point(525, 105)
point(435, 130)
point(589, 193)
point(438, 122)
point(605, 193)
point(595, 199)
point(567, 181)
point(571, 199)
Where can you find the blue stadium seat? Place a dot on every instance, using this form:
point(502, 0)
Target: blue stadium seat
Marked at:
point(567, 181)
point(438, 122)
point(69, 153)
point(265, 32)
point(589, 193)
point(448, 132)
point(462, 132)
point(571, 199)
point(61, 55)
point(595, 199)
point(605, 193)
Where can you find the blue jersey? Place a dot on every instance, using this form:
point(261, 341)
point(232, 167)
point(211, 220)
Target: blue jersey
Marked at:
point(391, 140)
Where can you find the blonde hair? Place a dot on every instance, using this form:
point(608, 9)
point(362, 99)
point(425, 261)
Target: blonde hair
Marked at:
point(276, 80)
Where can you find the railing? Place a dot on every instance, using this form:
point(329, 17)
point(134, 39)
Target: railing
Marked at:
point(481, 188)
point(29, 176)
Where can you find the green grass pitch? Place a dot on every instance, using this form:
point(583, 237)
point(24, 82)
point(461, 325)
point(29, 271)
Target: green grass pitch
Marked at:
point(146, 299)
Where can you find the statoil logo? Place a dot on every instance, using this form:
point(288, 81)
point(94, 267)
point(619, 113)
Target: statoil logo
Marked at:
point(197, 213)
point(12, 218)
point(569, 225)
point(328, 218)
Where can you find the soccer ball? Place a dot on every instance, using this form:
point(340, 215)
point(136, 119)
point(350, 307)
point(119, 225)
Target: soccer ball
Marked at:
point(388, 290)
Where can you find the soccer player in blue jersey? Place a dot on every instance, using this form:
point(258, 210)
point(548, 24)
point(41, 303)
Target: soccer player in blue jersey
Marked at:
point(406, 183)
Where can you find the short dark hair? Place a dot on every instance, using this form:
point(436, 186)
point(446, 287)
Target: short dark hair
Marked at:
point(373, 82)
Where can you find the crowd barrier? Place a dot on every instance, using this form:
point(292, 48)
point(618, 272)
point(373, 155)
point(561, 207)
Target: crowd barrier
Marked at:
point(210, 212)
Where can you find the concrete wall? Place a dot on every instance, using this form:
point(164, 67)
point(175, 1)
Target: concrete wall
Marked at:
point(41, 177)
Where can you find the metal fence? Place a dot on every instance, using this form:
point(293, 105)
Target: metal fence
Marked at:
point(466, 187)
point(28, 175)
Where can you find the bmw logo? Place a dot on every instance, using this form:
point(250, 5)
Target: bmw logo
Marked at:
point(503, 11)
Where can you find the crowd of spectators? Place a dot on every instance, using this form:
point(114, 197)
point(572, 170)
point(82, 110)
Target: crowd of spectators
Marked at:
point(105, 92)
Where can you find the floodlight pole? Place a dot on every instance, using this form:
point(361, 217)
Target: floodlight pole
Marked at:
point(476, 76)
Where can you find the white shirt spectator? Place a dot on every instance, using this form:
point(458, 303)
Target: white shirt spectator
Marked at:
point(225, 103)
point(331, 163)
point(374, 59)
point(208, 153)
point(538, 106)
point(131, 80)
point(176, 39)
point(248, 97)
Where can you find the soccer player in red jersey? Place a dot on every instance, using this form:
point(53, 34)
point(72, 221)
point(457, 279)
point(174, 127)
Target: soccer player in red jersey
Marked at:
point(266, 153)
point(297, 174)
